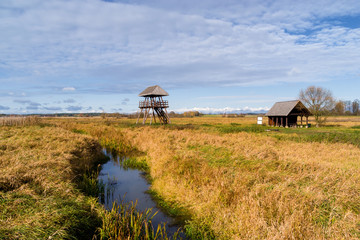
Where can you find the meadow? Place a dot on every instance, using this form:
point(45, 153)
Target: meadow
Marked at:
point(49, 188)
point(224, 178)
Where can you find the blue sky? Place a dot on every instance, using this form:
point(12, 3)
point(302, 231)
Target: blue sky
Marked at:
point(213, 56)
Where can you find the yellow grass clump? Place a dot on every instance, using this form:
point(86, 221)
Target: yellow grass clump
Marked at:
point(38, 196)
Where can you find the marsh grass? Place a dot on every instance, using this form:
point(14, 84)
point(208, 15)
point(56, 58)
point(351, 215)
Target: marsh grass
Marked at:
point(124, 221)
point(139, 163)
point(49, 189)
point(19, 121)
point(39, 198)
point(237, 181)
point(326, 135)
point(235, 128)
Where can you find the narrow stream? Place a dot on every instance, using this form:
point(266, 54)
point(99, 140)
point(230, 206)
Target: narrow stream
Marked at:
point(130, 185)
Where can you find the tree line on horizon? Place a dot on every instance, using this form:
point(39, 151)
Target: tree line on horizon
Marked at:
point(347, 108)
point(322, 103)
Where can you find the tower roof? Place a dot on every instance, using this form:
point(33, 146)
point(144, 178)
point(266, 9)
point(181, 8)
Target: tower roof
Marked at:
point(153, 91)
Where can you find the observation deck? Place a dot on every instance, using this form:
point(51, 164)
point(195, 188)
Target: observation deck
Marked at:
point(153, 104)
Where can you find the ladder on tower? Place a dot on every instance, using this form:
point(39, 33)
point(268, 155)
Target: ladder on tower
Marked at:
point(162, 115)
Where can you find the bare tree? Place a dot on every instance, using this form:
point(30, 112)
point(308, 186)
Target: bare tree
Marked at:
point(348, 106)
point(339, 108)
point(355, 107)
point(319, 101)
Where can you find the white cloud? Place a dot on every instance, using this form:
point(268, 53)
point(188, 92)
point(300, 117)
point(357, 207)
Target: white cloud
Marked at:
point(120, 47)
point(68, 89)
point(211, 110)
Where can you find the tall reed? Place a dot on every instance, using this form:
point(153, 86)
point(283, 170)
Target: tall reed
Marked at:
point(19, 121)
point(124, 221)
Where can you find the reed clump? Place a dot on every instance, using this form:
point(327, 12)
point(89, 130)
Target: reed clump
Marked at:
point(19, 121)
point(124, 221)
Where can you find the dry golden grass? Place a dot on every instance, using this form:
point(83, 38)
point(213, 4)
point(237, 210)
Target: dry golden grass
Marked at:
point(346, 121)
point(38, 197)
point(247, 185)
point(19, 121)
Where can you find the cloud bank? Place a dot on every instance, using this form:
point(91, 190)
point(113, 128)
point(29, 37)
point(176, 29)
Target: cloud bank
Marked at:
point(111, 47)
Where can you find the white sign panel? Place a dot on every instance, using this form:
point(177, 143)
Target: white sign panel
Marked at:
point(259, 120)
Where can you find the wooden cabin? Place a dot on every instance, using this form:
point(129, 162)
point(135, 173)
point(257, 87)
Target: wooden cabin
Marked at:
point(285, 114)
point(153, 105)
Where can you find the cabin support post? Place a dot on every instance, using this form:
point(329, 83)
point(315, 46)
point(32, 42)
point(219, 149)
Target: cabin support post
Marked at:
point(307, 120)
point(282, 121)
point(276, 122)
point(301, 120)
point(287, 122)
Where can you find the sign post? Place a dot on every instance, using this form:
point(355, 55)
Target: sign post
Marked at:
point(259, 120)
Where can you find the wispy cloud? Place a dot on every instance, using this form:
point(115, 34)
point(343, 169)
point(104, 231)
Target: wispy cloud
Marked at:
point(210, 110)
point(70, 100)
point(68, 89)
point(102, 47)
point(53, 109)
point(4, 107)
point(195, 45)
point(29, 105)
point(74, 108)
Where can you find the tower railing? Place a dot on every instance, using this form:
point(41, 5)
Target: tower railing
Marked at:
point(154, 104)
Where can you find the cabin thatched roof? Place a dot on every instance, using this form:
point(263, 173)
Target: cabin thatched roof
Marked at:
point(295, 107)
point(153, 91)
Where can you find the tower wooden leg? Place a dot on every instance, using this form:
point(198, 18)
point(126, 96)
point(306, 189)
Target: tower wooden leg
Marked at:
point(139, 116)
point(152, 116)
point(145, 115)
point(167, 115)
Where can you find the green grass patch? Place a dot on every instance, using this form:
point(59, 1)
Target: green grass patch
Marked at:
point(124, 221)
point(80, 131)
point(215, 156)
point(199, 229)
point(173, 209)
point(327, 214)
point(136, 163)
point(235, 128)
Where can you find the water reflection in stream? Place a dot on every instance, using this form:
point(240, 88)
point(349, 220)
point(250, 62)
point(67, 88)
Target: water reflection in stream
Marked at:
point(129, 185)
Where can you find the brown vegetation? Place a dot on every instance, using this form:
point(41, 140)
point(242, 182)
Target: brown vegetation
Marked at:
point(249, 187)
point(246, 185)
point(19, 121)
point(38, 195)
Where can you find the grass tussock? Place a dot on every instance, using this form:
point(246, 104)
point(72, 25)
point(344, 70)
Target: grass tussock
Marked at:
point(39, 198)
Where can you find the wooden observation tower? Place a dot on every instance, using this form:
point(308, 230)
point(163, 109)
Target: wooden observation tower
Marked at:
point(154, 105)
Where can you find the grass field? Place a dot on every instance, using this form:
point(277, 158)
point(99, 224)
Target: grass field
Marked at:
point(48, 188)
point(225, 177)
point(38, 195)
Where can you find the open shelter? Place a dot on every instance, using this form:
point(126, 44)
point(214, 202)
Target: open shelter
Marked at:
point(285, 114)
